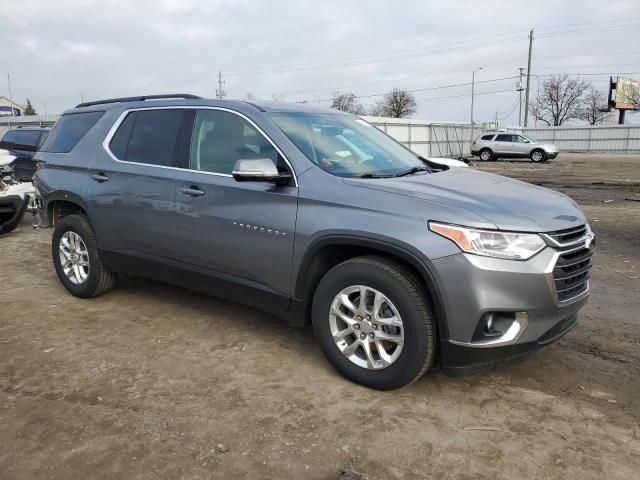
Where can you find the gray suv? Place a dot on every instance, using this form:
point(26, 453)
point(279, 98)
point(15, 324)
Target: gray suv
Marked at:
point(318, 217)
point(494, 145)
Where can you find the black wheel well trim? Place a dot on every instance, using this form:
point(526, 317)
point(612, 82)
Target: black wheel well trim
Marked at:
point(385, 247)
point(63, 196)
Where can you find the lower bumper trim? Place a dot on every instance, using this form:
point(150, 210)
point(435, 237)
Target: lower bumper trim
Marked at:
point(458, 360)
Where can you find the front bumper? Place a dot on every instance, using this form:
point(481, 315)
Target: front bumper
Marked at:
point(552, 155)
point(475, 288)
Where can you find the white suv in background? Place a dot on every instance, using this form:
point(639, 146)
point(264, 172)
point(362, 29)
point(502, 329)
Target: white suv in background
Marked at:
point(490, 146)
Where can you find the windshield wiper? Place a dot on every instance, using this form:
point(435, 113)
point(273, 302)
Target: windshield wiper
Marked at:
point(413, 170)
point(373, 175)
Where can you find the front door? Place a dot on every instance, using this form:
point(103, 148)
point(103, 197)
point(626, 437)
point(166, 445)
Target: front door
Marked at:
point(241, 232)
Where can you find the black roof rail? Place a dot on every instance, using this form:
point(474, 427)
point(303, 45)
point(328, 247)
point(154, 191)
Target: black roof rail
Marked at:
point(187, 96)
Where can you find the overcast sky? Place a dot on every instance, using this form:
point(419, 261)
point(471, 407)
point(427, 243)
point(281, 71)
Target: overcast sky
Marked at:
point(58, 52)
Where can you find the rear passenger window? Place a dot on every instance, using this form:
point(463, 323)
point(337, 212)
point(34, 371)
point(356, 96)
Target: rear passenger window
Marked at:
point(120, 140)
point(487, 137)
point(154, 137)
point(27, 138)
point(221, 138)
point(69, 130)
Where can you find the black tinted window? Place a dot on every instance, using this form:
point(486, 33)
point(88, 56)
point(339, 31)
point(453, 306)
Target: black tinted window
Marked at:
point(120, 140)
point(487, 137)
point(27, 138)
point(10, 136)
point(154, 137)
point(503, 138)
point(69, 130)
point(221, 138)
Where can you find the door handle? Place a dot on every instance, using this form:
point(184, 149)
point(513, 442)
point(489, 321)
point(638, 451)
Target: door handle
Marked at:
point(192, 191)
point(99, 177)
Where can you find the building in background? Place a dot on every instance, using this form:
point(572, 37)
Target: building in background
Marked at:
point(6, 107)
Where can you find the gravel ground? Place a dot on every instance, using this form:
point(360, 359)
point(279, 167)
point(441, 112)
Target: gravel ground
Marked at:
point(152, 381)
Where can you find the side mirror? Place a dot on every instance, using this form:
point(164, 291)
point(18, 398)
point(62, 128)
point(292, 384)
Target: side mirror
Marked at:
point(259, 170)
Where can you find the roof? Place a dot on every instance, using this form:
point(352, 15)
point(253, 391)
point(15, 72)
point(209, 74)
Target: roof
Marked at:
point(192, 100)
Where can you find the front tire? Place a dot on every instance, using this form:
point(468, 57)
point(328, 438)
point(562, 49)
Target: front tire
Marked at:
point(538, 156)
point(373, 322)
point(75, 257)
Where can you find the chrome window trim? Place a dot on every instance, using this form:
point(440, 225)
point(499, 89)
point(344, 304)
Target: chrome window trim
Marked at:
point(116, 125)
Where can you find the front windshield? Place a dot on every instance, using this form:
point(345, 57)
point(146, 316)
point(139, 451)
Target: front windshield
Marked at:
point(345, 145)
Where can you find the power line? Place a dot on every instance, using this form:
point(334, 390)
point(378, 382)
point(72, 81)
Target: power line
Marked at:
point(446, 97)
point(469, 44)
point(404, 53)
point(395, 80)
point(439, 87)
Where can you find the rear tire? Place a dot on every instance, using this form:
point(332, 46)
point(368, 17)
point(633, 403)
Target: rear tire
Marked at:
point(538, 156)
point(486, 155)
point(82, 273)
point(403, 302)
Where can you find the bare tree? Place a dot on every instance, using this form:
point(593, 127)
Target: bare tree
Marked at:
point(347, 102)
point(250, 96)
point(278, 97)
point(560, 100)
point(594, 108)
point(398, 103)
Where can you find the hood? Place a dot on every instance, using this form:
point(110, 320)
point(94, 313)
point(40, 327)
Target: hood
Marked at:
point(507, 203)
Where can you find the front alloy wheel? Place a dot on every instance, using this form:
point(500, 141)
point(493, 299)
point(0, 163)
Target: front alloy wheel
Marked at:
point(537, 156)
point(372, 319)
point(366, 327)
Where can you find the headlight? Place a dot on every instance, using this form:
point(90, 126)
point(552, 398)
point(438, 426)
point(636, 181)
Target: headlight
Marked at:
point(491, 243)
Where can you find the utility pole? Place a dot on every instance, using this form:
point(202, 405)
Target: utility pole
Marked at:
point(520, 88)
point(526, 93)
point(10, 98)
point(473, 85)
point(220, 90)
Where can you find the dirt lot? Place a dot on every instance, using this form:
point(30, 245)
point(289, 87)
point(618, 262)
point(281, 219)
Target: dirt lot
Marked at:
point(153, 381)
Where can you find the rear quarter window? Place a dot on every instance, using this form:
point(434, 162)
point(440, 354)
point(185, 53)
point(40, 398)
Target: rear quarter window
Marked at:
point(69, 130)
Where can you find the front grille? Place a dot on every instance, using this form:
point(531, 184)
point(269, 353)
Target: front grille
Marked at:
point(571, 273)
point(569, 235)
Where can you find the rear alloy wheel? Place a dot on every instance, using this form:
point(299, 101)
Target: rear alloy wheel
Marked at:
point(538, 156)
point(486, 155)
point(372, 320)
point(76, 259)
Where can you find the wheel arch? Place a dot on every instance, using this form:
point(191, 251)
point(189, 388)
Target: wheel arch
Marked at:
point(328, 251)
point(62, 203)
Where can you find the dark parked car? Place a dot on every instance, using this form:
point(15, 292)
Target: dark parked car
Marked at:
point(317, 216)
point(22, 143)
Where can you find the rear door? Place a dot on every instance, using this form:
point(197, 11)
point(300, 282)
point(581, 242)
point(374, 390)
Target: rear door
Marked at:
point(242, 232)
point(504, 144)
point(132, 182)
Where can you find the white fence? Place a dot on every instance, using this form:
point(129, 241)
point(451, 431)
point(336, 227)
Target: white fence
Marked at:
point(449, 139)
point(437, 139)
